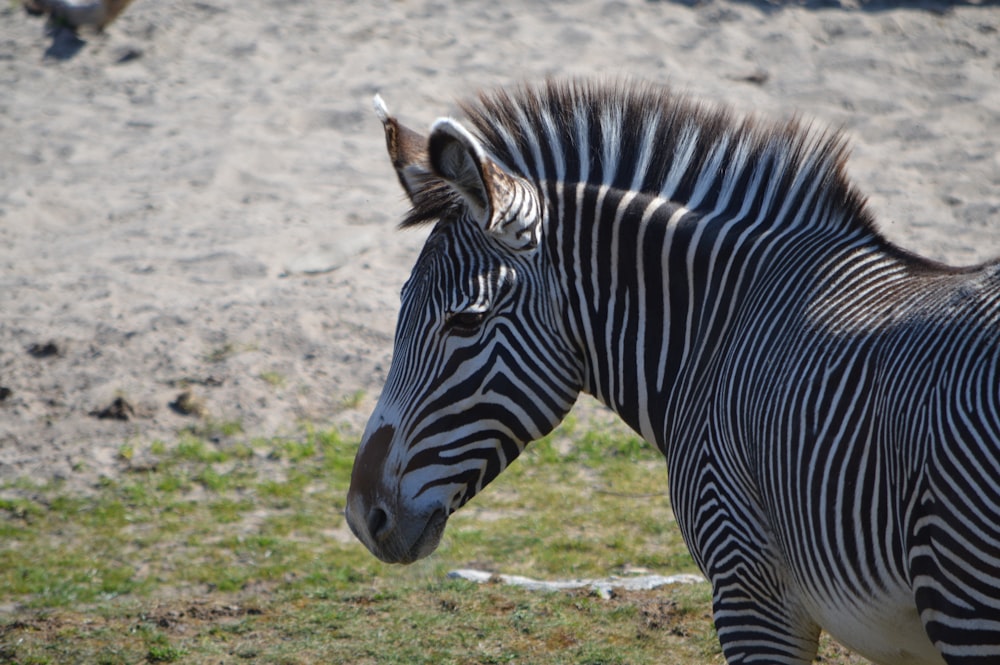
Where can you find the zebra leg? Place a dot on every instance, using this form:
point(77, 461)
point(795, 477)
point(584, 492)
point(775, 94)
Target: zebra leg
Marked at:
point(959, 605)
point(954, 556)
point(758, 614)
point(958, 598)
point(758, 623)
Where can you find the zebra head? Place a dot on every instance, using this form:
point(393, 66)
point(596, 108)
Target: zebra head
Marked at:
point(481, 363)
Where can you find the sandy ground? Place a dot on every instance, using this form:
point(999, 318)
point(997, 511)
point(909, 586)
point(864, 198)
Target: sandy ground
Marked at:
point(199, 198)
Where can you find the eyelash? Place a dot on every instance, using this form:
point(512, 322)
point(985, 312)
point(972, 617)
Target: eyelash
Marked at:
point(465, 323)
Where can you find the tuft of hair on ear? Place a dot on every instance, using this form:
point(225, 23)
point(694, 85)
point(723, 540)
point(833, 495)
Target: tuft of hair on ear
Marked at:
point(433, 199)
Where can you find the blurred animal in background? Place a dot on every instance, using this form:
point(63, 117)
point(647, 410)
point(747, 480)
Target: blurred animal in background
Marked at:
point(74, 14)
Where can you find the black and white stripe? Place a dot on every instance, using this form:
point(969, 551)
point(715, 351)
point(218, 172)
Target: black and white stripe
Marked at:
point(828, 403)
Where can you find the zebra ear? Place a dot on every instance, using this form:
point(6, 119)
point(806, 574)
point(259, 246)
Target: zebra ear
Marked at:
point(407, 150)
point(504, 205)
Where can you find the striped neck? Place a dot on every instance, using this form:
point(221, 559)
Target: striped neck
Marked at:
point(654, 204)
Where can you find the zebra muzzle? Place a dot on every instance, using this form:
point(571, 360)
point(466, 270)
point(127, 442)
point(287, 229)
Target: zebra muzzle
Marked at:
point(393, 530)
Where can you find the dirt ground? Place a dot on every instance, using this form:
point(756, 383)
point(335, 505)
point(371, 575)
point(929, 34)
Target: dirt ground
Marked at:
point(197, 213)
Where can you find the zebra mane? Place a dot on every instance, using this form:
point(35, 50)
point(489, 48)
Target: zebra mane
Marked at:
point(643, 137)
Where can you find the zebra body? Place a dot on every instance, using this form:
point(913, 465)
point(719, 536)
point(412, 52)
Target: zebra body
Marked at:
point(828, 404)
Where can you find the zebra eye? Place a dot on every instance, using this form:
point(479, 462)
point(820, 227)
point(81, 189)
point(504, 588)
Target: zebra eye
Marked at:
point(464, 323)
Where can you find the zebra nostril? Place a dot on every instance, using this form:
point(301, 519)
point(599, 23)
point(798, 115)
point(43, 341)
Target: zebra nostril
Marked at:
point(378, 523)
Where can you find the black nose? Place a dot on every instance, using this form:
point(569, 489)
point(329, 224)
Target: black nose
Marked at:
point(369, 515)
point(378, 523)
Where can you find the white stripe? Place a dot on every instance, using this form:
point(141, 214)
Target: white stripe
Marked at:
point(611, 138)
point(709, 172)
point(609, 325)
point(683, 152)
point(536, 150)
point(554, 146)
point(647, 148)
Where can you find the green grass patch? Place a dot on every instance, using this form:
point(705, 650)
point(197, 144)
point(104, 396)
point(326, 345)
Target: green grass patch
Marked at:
point(274, 379)
point(353, 400)
point(230, 550)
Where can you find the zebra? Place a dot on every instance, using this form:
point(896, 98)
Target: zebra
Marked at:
point(828, 403)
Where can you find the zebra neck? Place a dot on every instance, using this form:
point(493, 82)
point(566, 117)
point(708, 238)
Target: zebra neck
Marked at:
point(652, 287)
